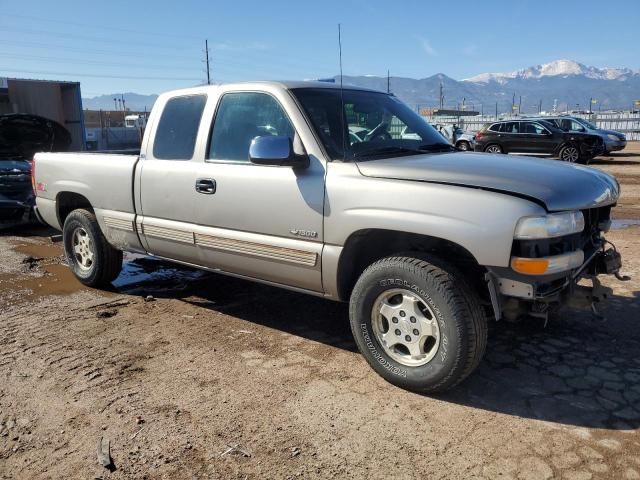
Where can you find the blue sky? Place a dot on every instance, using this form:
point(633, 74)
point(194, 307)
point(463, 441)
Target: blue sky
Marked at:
point(149, 47)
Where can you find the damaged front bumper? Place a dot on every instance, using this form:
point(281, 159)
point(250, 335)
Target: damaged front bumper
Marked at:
point(514, 295)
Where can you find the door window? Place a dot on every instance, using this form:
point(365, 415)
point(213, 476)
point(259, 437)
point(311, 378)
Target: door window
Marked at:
point(510, 127)
point(241, 117)
point(178, 128)
point(576, 127)
point(533, 128)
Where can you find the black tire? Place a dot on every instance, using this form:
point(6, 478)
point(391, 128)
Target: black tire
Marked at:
point(457, 311)
point(107, 261)
point(570, 153)
point(492, 145)
point(464, 146)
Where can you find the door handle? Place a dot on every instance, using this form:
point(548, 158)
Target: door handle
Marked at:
point(206, 186)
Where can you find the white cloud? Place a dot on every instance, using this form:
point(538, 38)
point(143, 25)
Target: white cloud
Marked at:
point(426, 46)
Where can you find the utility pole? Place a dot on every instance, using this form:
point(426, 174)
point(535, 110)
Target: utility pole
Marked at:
point(388, 83)
point(441, 95)
point(519, 104)
point(496, 110)
point(206, 52)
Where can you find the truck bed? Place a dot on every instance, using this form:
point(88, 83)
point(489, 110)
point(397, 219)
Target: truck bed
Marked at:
point(104, 179)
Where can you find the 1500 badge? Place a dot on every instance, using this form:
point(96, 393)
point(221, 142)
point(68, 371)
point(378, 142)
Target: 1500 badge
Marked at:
point(304, 233)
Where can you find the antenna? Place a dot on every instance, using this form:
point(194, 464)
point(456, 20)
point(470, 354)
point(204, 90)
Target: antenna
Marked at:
point(206, 52)
point(342, 113)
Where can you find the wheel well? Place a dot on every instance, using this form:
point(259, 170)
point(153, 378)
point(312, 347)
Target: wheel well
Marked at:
point(67, 202)
point(365, 247)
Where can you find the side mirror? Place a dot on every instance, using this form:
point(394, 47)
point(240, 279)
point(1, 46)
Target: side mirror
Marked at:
point(276, 151)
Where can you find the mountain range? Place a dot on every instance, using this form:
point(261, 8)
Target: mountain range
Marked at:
point(566, 83)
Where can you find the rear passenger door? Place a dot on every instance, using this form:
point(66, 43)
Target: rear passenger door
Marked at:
point(510, 137)
point(166, 177)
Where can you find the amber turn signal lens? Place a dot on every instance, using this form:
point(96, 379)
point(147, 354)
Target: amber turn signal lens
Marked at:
point(530, 266)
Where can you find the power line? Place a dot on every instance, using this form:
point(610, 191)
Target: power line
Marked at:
point(83, 62)
point(102, 27)
point(91, 38)
point(85, 51)
point(82, 74)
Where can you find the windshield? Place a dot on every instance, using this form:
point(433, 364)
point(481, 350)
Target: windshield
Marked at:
point(371, 125)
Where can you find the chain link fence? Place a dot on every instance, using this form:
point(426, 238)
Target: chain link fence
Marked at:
point(624, 122)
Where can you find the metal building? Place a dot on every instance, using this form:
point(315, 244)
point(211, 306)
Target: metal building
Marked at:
point(57, 100)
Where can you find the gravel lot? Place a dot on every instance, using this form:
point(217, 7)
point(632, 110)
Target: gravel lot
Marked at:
point(221, 378)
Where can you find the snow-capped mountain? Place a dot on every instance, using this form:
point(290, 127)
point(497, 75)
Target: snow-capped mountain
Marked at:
point(565, 83)
point(557, 68)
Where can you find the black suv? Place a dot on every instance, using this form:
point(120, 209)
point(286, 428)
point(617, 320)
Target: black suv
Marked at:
point(538, 137)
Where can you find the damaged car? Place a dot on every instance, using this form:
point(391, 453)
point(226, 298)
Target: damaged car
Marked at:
point(21, 135)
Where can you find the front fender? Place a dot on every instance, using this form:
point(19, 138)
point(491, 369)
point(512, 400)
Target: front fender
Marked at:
point(481, 221)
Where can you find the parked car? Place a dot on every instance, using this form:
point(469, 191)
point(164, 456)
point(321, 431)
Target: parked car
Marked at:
point(613, 141)
point(405, 230)
point(16, 193)
point(538, 136)
point(462, 140)
point(22, 135)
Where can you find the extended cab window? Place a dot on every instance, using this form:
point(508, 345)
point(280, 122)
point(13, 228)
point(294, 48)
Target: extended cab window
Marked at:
point(178, 128)
point(241, 117)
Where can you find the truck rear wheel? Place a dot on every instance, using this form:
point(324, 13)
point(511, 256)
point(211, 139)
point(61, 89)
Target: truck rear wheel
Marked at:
point(91, 258)
point(417, 323)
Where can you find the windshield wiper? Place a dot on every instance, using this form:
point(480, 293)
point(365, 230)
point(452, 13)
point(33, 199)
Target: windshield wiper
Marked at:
point(386, 151)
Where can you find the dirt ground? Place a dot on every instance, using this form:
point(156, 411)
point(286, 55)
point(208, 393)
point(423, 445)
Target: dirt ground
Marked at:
point(222, 378)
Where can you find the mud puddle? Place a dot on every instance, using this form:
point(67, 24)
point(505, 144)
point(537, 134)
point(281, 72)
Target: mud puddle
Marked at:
point(142, 274)
point(40, 250)
point(57, 280)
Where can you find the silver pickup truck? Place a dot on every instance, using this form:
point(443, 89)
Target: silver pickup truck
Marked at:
point(261, 181)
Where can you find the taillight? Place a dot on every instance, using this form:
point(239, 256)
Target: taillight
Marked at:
point(33, 176)
point(478, 136)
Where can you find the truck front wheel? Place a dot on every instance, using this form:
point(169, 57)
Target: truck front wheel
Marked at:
point(91, 258)
point(418, 324)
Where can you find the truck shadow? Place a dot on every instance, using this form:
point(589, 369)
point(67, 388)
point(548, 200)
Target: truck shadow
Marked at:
point(577, 371)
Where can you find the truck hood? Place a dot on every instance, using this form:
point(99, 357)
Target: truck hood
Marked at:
point(558, 185)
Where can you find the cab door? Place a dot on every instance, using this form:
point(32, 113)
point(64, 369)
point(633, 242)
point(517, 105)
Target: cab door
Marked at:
point(260, 221)
point(166, 178)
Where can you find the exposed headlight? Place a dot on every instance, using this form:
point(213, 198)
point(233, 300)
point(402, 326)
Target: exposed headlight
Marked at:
point(613, 137)
point(549, 226)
